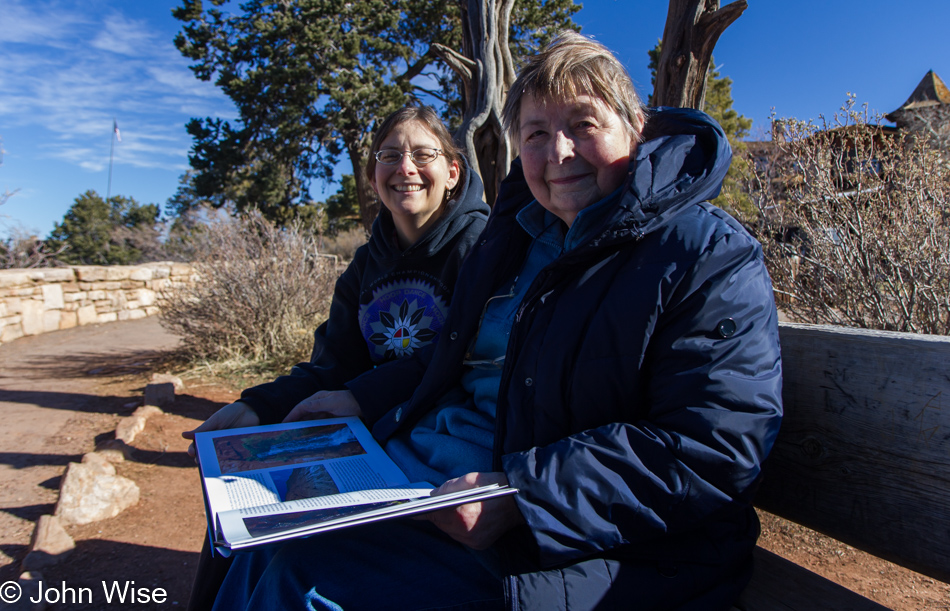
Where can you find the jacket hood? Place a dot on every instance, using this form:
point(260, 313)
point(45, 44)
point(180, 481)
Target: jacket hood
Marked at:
point(466, 206)
point(683, 158)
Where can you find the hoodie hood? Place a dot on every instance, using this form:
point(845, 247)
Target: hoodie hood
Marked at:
point(465, 207)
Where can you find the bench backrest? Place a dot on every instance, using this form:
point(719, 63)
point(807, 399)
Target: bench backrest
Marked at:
point(864, 451)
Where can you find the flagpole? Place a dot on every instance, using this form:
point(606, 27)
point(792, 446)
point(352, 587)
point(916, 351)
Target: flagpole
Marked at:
point(111, 152)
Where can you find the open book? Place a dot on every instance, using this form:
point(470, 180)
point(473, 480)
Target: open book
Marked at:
point(270, 483)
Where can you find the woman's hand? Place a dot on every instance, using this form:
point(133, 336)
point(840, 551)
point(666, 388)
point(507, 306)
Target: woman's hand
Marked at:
point(325, 404)
point(477, 525)
point(231, 416)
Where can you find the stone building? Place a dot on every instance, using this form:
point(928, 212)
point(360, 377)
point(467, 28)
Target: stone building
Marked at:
point(926, 113)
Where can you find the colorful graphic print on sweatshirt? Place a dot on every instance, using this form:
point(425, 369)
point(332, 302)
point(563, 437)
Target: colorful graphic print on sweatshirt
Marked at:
point(401, 317)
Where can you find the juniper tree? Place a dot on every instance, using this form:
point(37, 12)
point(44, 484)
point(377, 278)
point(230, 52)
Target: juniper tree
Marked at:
point(718, 104)
point(310, 79)
point(692, 29)
point(95, 232)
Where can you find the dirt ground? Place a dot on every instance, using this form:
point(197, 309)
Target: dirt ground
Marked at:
point(156, 543)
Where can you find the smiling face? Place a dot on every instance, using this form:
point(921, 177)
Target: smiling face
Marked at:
point(413, 194)
point(574, 153)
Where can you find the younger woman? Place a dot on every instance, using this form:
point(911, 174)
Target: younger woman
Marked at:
point(393, 298)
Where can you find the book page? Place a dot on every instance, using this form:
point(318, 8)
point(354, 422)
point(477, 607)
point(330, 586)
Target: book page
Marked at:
point(247, 527)
point(250, 491)
point(263, 465)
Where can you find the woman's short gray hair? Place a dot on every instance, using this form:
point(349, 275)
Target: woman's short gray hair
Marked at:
point(574, 65)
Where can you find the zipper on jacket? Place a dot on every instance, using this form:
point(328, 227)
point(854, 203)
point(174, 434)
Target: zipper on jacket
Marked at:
point(538, 292)
point(501, 407)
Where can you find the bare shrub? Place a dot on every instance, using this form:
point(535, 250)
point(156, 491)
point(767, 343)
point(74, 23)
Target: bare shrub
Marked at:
point(22, 251)
point(855, 223)
point(260, 291)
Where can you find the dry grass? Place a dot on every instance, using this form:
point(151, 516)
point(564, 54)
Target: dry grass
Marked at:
point(345, 243)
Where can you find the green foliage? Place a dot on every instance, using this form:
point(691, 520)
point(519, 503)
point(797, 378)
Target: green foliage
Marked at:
point(120, 232)
point(719, 106)
point(535, 23)
point(186, 199)
point(310, 77)
point(342, 209)
point(734, 197)
point(654, 66)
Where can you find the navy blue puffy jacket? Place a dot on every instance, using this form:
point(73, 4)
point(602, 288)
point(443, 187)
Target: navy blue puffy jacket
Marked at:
point(641, 390)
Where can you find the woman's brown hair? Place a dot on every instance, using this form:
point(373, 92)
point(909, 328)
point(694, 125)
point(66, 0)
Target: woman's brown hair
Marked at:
point(427, 116)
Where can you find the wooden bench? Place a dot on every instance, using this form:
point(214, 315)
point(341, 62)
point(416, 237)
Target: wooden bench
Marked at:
point(863, 457)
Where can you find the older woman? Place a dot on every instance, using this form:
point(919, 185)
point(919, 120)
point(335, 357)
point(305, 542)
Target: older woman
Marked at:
point(619, 334)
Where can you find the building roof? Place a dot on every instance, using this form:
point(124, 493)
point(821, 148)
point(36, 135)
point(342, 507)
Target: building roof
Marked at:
point(930, 92)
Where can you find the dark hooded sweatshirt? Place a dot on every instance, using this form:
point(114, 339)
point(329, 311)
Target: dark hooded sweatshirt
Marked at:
point(388, 304)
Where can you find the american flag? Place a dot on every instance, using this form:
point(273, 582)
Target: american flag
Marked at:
point(115, 128)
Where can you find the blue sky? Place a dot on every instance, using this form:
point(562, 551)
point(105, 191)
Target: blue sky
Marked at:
point(69, 67)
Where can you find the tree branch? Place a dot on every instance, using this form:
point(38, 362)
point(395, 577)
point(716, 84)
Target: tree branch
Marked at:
point(461, 65)
point(712, 25)
point(692, 30)
point(416, 69)
point(434, 94)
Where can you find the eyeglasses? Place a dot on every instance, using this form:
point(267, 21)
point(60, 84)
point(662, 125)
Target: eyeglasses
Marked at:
point(421, 156)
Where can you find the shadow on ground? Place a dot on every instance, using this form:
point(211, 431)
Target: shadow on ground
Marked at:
point(91, 363)
point(184, 405)
point(19, 460)
point(96, 563)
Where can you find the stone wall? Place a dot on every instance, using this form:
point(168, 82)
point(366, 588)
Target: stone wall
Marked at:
point(34, 301)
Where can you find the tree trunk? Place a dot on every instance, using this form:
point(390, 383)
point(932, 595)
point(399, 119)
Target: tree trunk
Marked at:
point(692, 29)
point(487, 71)
point(369, 203)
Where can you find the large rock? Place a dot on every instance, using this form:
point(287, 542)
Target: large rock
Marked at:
point(32, 323)
point(58, 274)
point(162, 388)
point(114, 450)
point(53, 296)
point(87, 315)
point(13, 278)
point(141, 274)
point(91, 491)
point(163, 378)
point(51, 320)
point(49, 545)
point(89, 273)
point(130, 426)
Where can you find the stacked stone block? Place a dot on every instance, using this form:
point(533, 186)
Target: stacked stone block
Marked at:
point(34, 301)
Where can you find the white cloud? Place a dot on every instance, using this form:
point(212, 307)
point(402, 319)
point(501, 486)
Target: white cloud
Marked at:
point(69, 73)
point(23, 23)
point(124, 36)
